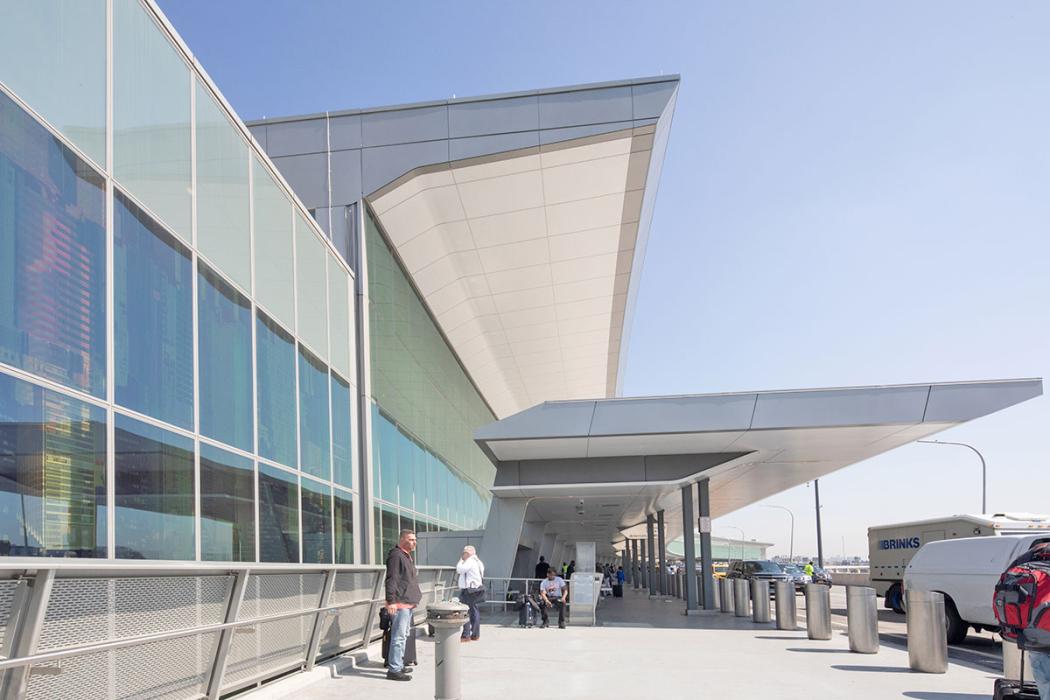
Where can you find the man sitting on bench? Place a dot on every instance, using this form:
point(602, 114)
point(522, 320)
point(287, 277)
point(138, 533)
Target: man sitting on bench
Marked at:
point(553, 592)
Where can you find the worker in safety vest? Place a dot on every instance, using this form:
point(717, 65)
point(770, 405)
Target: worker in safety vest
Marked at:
point(808, 570)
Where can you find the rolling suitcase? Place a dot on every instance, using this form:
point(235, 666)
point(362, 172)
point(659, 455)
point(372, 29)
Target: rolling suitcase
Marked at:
point(1006, 689)
point(617, 590)
point(410, 643)
point(527, 612)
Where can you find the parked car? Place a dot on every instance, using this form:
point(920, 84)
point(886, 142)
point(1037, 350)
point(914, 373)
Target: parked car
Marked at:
point(798, 576)
point(762, 569)
point(966, 571)
point(821, 576)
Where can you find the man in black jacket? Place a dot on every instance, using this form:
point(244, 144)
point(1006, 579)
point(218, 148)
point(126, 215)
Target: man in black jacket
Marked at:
point(402, 595)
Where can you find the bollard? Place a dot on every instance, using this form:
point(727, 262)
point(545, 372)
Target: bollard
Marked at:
point(447, 620)
point(726, 585)
point(862, 618)
point(818, 611)
point(716, 588)
point(927, 632)
point(787, 616)
point(759, 600)
point(1012, 662)
point(741, 597)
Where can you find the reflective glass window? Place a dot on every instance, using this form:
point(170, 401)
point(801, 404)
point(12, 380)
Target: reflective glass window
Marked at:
point(311, 287)
point(223, 234)
point(274, 273)
point(377, 534)
point(405, 469)
point(390, 529)
point(154, 492)
point(313, 416)
point(153, 317)
point(278, 515)
point(224, 361)
point(339, 316)
point(388, 457)
point(275, 384)
point(344, 528)
point(151, 116)
point(53, 56)
point(227, 506)
point(52, 473)
point(342, 425)
point(52, 256)
point(317, 523)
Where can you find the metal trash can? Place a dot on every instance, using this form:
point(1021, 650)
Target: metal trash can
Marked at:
point(818, 611)
point(759, 600)
point(862, 618)
point(741, 597)
point(447, 620)
point(787, 615)
point(1012, 662)
point(726, 586)
point(927, 632)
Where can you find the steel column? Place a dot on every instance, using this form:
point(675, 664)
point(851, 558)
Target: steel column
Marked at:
point(707, 576)
point(222, 649)
point(643, 565)
point(27, 634)
point(689, 543)
point(634, 564)
point(650, 534)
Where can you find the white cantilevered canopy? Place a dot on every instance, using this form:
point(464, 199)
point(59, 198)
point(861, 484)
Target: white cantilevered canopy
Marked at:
point(595, 469)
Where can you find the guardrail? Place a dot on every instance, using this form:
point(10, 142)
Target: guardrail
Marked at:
point(79, 629)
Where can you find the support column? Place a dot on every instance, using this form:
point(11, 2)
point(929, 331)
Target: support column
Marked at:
point(650, 541)
point(707, 576)
point(547, 546)
point(625, 559)
point(637, 579)
point(661, 559)
point(643, 565)
point(690, 549)
point(499, 543)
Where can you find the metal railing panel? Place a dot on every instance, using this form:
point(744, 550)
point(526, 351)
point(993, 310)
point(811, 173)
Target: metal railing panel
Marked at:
point(267, 648)
point(351, 587)
point(344, 629)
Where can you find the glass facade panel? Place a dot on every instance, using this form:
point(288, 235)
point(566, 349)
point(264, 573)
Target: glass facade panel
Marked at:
point(311, 287)
point(223, 235)
point(275, 385)
point(154, 492)
point(224, 361)
point(314, 438)
point(227, 506)
point(344, 528)
point(151, 116)
point(390, 530)
point(52, 473)
point(274, 275)
point(153, 317)
point(53, 56)
point(278, 515)
point(342, 429)
point(317, 523)
point(339, 317)
point(52, 256)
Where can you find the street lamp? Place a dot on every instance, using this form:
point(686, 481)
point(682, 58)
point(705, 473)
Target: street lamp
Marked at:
point(791, 555)
point(741, 531)
point(984, 468)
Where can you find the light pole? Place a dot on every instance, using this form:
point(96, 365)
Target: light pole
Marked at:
point(741, 531)
point(984, 468)
point(791, 555)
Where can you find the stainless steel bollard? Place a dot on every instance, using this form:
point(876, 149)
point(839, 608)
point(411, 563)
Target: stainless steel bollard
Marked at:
point(741, 597)
point(818, 611)
point(1012, 662)
point(447, 620)
point(759, 600)
point(726, 586)
point(787, 615)
point(716, 588)
point(927, 632)
point(862, 618)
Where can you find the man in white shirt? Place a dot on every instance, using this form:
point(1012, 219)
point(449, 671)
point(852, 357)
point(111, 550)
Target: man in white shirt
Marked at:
point(471, 573)
point(553, 592)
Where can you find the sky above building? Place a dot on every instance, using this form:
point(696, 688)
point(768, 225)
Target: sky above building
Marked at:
point(853, 194)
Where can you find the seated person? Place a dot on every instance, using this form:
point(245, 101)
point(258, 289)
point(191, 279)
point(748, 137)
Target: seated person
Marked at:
point(553, 593)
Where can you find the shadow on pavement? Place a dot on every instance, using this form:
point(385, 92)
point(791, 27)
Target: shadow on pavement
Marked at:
point(871, 669)
point(933, 695)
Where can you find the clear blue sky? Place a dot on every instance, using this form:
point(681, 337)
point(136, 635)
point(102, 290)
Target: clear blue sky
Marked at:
point(854, 193)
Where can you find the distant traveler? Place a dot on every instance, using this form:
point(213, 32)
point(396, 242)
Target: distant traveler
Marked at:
point(808, 571)
point(553, 592)
point(402, 595)
point(542, 568)
point(620, 576)
point(569, 571)
point(564, 570)
point(471, 573)
point(1021, 599)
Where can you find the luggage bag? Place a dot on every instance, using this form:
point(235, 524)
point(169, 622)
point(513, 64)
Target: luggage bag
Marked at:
point(410, 643)
point(1007, 689)
point(617, 590)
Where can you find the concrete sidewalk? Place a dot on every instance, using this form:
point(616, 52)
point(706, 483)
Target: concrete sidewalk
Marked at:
point(648, 649)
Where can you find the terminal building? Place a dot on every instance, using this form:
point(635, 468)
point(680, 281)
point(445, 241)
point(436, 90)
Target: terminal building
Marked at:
point(282, 342)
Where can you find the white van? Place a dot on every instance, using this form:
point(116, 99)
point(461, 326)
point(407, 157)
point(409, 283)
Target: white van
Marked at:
point(966, 571)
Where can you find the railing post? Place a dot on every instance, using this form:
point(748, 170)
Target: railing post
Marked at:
point(222, 649)
point(373, 607)
point(322, 615)
point(33, 608)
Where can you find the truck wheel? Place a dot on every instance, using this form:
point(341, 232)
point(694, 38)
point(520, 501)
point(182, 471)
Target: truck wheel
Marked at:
point(894, 599)
point(957, 627)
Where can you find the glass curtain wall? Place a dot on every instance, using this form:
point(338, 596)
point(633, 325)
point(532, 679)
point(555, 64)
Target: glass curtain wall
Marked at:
point(222, 331)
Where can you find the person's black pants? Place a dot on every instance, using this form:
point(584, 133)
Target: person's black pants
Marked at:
point(561, 612)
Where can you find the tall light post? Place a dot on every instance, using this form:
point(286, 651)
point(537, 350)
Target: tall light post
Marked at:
point(984, 468)
point(741, 531)
point(791, 555)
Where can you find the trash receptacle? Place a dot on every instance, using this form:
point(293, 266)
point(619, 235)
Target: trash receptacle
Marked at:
point(447, 620)
point(818, 611)
point(862, 618)
point(927, 632)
